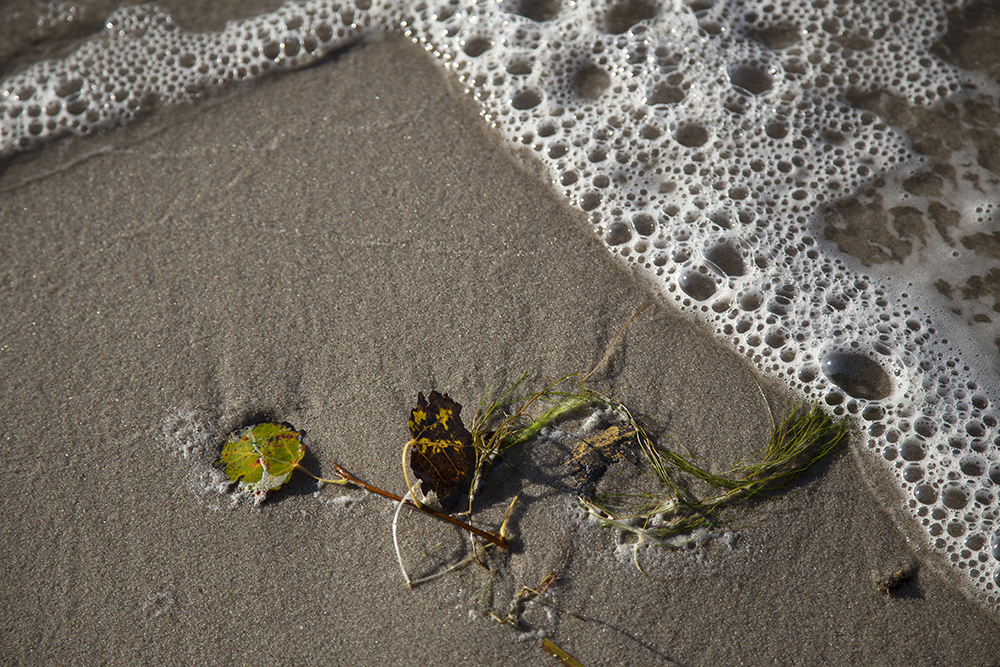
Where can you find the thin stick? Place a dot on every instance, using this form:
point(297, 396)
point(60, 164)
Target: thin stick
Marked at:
point(556, 652)
point(346, 476)
point(451, 568)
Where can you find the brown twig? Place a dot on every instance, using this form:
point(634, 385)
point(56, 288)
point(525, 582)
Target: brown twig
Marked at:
point(346, 476)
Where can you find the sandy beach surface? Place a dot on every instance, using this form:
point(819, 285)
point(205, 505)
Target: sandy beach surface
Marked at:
point(317, 249)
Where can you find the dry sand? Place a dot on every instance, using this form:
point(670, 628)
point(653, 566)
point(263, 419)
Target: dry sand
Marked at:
point(317, 249)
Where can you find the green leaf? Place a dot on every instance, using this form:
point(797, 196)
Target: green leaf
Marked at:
point(262, 457)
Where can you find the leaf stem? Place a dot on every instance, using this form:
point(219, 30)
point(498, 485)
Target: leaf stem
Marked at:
point(348, 477)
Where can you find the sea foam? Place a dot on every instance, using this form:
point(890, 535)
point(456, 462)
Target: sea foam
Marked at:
point(748, 157)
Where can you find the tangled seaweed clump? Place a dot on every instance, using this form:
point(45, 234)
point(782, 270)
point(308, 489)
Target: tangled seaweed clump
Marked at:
point(673, 513)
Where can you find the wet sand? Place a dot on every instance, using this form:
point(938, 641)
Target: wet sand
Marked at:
point(318, 248)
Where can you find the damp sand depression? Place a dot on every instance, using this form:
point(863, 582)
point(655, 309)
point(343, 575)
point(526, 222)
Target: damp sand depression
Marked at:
point(324, 265)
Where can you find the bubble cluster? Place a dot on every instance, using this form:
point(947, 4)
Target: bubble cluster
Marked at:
point(143, 57)
point(738, 152)
point(190, 434)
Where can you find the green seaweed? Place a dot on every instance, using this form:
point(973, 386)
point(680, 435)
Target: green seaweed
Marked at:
point(803, 439)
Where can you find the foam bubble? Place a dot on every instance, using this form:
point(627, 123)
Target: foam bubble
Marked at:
point(808, 179)
point(190, 434)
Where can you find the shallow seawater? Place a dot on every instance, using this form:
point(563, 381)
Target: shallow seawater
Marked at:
point(816, 182)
